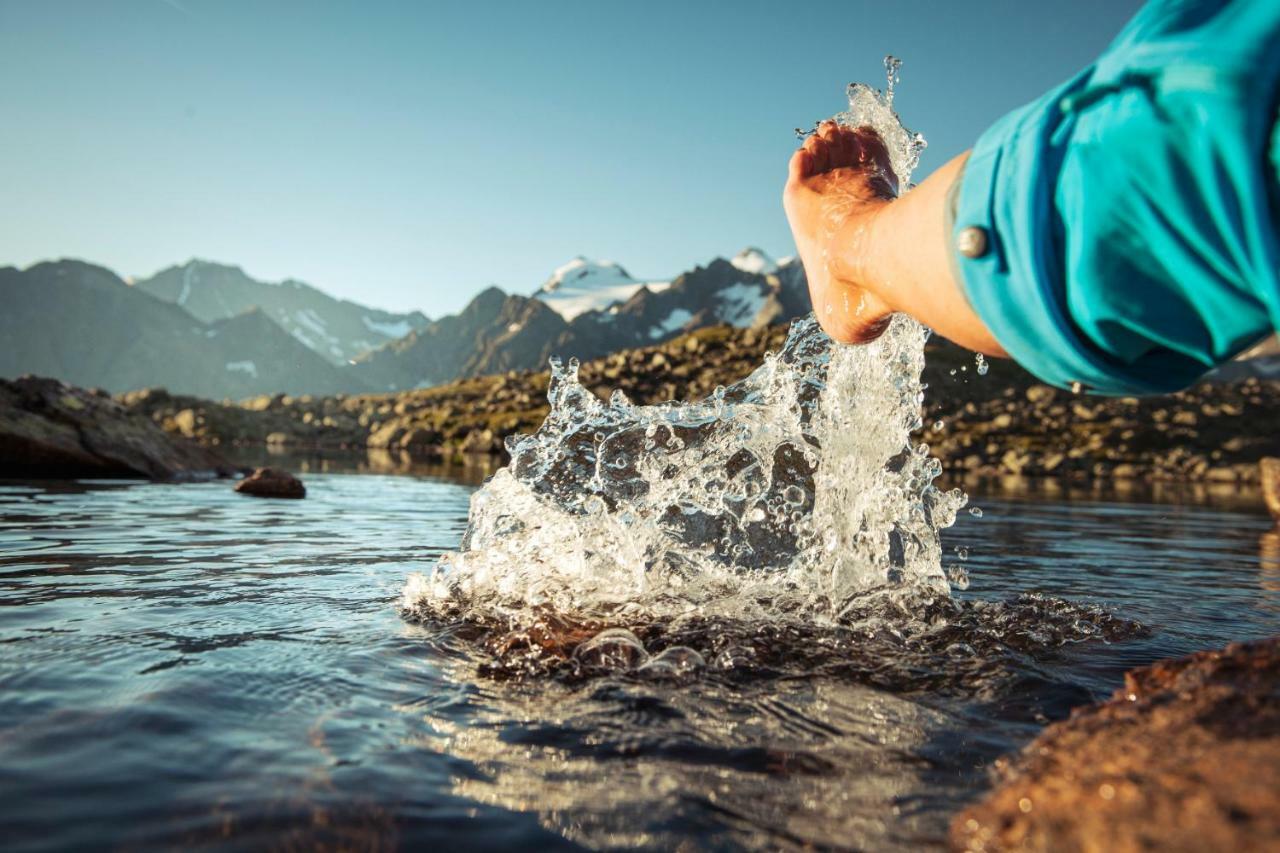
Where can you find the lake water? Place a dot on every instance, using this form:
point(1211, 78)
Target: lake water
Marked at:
point(181, 666)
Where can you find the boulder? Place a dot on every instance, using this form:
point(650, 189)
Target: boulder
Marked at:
point(271, 483)
point(1270, 470)
point(51, 429)
point(1185, 757)
point(421, 438)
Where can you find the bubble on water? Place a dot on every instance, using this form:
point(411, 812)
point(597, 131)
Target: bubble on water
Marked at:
point(676, 662)
point(612, 649)
point(795, 491)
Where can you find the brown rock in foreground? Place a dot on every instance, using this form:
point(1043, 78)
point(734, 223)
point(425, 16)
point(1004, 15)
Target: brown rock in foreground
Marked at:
point(51, 429)
point(1185, 757)
point(271, 483)
point(1270, 467)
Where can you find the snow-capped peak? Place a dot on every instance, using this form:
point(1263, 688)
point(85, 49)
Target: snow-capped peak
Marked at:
point(583, 273)
point(584, 285)
point(754, 261)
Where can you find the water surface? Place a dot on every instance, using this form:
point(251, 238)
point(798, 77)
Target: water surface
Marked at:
point(183, 666)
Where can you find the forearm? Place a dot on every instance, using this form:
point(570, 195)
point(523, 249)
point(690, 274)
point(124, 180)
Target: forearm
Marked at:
point(900, 250)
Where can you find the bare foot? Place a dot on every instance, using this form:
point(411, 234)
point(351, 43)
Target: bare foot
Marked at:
point(836, 182)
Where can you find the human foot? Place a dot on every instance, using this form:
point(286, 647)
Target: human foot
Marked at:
point(836, 182)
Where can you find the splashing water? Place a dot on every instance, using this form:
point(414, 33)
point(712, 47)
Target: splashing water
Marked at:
point(797, 491)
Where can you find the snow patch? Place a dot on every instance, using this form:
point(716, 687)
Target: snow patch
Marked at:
point(188, 275)
point(313, 321)
point(584, 285)
point(243, 367)
point(754, 261)
point(387, 328)
point(675, 320)
point(740, 303)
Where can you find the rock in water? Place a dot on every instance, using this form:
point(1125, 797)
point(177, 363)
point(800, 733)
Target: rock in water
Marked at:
point(51, 429)
point(1185, 757)
point(272, 483)
point(1271, 484)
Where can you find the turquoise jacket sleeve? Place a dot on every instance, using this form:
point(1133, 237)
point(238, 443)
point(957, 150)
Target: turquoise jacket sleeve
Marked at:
point(1130, 216)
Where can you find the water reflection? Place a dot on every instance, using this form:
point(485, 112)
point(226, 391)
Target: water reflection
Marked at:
point(1269, 566)
point(471, 469)
point(625, 764)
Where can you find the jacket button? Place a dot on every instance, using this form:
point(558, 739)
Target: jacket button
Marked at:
point(972, 241)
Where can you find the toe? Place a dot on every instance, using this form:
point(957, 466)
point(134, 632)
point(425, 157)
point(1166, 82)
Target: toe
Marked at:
point(837, 156)
point(819, 154)
point(800, 166)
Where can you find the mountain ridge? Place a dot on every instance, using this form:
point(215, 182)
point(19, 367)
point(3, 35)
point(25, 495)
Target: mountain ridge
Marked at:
point(337, 329)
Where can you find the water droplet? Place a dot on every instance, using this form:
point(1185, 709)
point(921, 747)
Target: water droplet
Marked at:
point(975, 511)
point(891, 66)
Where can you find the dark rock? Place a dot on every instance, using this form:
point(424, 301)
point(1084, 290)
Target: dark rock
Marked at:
point(51, 429)
point(1270, 472)
point(1185, 757)
point(271, 483)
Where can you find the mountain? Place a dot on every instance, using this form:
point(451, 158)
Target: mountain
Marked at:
point(495, 332)
point(576, 314)
point(584, 285)
point(81, 323)
point(754, 260)
point(338, 330)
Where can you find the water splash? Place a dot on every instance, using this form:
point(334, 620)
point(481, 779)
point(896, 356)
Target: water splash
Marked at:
point(797, 491)
point(892, 64)
point(869, 107)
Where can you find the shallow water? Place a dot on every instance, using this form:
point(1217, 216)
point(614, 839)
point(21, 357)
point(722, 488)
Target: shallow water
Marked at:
point(182, 666)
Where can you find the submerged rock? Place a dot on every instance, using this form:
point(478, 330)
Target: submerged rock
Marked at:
point(1185, 757)
point(51, 429)
point(271, 483)
point(1270, 468)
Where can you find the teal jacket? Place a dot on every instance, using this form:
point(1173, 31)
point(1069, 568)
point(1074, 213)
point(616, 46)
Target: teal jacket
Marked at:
point(1132, 215)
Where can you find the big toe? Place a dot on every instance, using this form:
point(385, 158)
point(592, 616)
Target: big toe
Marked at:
point(819, 154)
point(800, 166)
point(842, 144)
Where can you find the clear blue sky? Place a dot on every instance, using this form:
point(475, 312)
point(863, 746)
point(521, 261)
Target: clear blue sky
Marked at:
point(407, 154)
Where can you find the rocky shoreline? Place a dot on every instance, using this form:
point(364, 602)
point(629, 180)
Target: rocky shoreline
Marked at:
point(998, 424)
point(51, 429)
